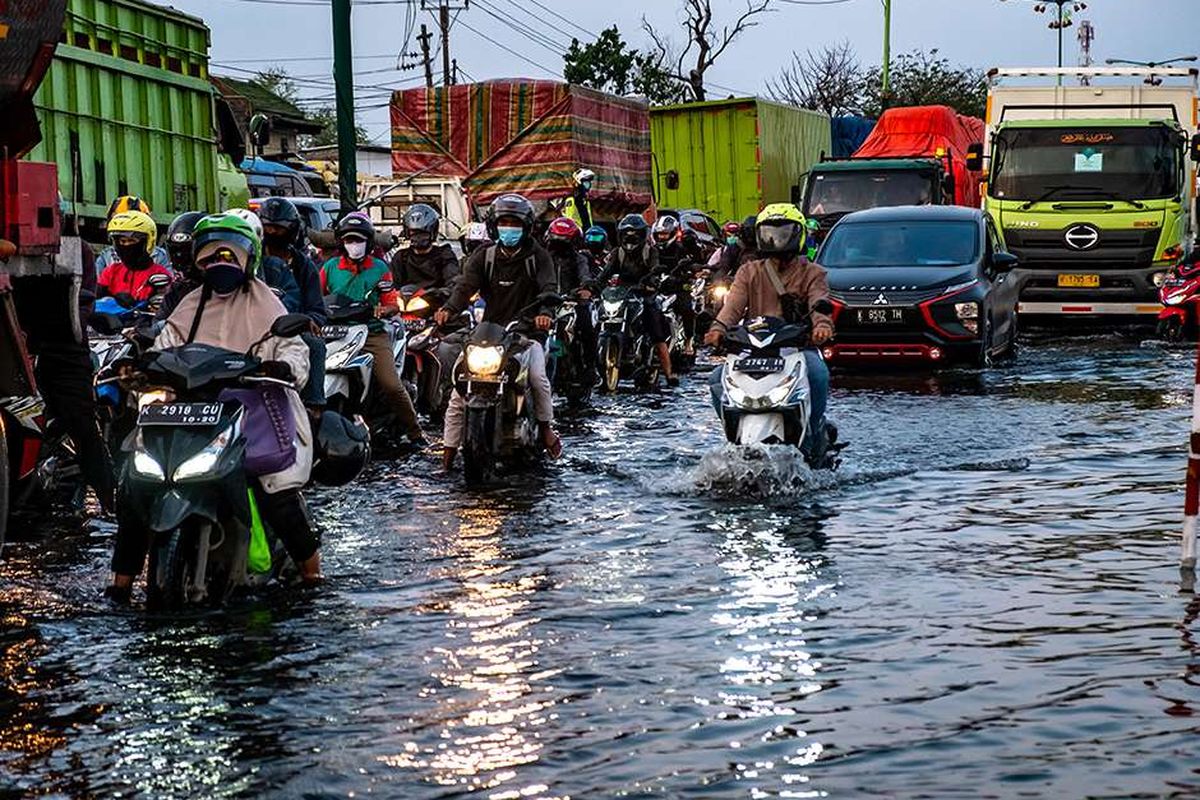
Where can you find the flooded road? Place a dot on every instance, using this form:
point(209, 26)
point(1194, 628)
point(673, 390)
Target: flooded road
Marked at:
point(982, 603)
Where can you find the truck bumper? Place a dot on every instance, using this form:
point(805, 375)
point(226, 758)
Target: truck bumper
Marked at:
point(1087, 308)
point(1122, 292)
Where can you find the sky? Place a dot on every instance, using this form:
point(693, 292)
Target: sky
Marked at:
point(525, 38)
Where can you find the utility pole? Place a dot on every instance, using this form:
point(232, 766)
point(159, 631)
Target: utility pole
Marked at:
point(444, 7)
point(424, 40)
point(1087, 35)
point(343, 77)
point(887, 53)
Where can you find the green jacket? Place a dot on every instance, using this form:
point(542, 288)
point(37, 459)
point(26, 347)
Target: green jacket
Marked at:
point(340, 277)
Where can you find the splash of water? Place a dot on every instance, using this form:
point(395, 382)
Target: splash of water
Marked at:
point(756, 471)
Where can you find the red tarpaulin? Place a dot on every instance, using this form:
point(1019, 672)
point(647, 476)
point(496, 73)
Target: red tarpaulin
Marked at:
point(526, 137)
point(921, 131)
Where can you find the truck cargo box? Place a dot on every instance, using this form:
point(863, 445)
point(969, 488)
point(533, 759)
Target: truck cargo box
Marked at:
point(526, 137)
point(729, 158)
point(31, 29)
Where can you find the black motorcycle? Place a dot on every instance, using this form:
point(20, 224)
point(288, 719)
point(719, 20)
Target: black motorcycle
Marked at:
point(184, 475)
point(567, 360)
point(625, 350)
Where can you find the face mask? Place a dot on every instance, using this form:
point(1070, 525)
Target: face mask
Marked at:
point(224, 278)
point(277, 241)
point(355, 251)
point(133, 256)
point(732, 240)
point(587, 186)
point(510, 237)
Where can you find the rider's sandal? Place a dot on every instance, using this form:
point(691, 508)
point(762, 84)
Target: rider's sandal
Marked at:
point(555, 450)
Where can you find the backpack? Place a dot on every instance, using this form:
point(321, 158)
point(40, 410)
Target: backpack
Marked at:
point(489, 265)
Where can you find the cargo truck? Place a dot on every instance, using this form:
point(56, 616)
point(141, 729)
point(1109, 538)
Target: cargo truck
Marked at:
point(1091, 186)
point(127, 108)
point(729, 158)
point(915, 155)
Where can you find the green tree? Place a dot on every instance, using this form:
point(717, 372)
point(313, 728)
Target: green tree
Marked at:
point(609, 64)
point(327, 118)
point(922, 78)
point(277, 81)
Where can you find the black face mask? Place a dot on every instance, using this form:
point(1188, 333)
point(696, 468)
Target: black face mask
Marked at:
point(276, 241)
point(133, 256)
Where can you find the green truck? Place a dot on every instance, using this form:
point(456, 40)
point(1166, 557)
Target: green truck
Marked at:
point(1092, 186)
point(729, 158)
point(127, 108)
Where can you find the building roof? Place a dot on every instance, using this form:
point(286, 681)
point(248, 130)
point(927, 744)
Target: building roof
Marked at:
point(263, 101)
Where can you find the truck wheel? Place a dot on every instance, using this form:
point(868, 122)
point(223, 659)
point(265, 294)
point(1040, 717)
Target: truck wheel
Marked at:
point(479, 456)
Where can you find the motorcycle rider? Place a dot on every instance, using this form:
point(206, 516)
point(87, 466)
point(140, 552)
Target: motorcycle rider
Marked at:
point(273, 271)
point(133, 235)
point(510, 276)
point(121, 205)
point(595, 243)
point(234, 310)
point(634, 263)
point(179, 247)
point(679, 256)
point(574, 275)
point(425, 263)
point(354, 275)
point(782, 283)
point(576, 206)
point(283, 238)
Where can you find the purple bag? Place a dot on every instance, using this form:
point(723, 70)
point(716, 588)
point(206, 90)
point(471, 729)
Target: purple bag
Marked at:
point(268, 428)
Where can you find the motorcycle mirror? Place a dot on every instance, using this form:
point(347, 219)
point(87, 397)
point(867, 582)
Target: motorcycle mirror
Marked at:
point(290, 325)
point(105, 324)
point(383, 287)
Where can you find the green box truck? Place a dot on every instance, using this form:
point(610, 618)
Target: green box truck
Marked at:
point(729, 158)
point(1091, 185)
point(127, 108)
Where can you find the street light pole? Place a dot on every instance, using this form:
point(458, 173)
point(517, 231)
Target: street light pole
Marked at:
point(887, 51)
point(343, 78)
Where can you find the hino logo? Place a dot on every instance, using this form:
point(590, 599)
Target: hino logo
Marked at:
point(1082, 237)
point(881, 300)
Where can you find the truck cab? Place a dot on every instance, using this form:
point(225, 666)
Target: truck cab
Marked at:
point(837, 188)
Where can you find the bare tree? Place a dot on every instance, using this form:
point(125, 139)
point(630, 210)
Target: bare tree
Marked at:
point(829, 80)
point(705, 41)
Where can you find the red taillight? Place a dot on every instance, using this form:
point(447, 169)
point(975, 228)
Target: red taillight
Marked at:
point(935, 353)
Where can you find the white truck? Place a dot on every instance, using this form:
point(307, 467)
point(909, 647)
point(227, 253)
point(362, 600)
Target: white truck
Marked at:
point(1093, 186)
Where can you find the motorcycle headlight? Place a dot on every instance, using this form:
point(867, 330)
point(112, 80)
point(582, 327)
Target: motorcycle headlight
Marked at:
point(203, 463)
point(968, 315)
point(145, 466)
point(484, 360)
point(719, 292)
point(612, 309)
point(780, 394)
point(417, 304)
point(153, 397)
point(1159, 278)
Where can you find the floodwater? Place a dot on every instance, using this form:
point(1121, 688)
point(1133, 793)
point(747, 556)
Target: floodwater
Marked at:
point(983, 602)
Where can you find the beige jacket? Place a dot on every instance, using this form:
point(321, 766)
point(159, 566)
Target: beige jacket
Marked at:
point(753, 293)
point(236, 322)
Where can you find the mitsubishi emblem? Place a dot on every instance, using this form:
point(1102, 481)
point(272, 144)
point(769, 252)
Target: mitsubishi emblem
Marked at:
point(881, 300)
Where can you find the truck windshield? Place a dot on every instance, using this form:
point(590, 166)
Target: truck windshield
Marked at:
point(900, 244)
point(844, 192)
point(1085, 163)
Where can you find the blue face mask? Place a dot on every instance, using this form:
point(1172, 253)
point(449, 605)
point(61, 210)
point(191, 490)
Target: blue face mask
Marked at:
point(510, 237)
point(731, 240)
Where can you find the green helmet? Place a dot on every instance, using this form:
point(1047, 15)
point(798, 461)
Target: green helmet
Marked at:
point(231, 231)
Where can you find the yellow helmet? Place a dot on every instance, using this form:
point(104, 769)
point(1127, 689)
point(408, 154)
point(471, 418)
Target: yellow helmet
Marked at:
point(128, 202)
point(781, 230)
point(136, 225)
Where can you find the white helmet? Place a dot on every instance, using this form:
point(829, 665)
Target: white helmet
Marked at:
point(251, 219)
point(583, 176)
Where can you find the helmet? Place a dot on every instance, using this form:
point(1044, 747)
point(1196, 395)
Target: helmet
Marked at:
point(584, 177)
point(251, 219)
point(355, 223)
point(421, 223)
point(135, 225)
point(343, 448)
point(229, 230)
point(666, 231)
point(564, 234)
point(510, 205)
point(477, 236)
point(732, 228)
point(632, 231)
point(128, 202)
point(596, 238)
point(780, 230)
point(281, 212)
point(179, 239)
point(749, 238)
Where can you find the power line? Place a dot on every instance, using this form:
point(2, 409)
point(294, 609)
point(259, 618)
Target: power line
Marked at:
point(510, 51)
point(554, 13)
point(540, 20)
point(539, 39)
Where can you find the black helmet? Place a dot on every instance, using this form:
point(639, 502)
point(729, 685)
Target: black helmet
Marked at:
point(746, 234)
point(355, 222)
point(343, 448)
point(632, 232)
point(421, 225)
point(283, 213)
point(510, 205)
point(179, 239)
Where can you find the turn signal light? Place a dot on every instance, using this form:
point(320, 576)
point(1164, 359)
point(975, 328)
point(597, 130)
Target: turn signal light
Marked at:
point(935, 353)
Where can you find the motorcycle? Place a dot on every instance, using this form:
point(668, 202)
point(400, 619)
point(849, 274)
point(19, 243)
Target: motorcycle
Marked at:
point(668, 294)
point(566, 360)
point(765, 397)
point(493, 377)
point(429, 358)
point(1180, 297)
point(348, 366)
point(124, 329)
point(184, 475)
point(625, 351)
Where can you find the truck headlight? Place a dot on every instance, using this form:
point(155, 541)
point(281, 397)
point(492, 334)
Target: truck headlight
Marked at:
point(145, 466)
point(204, 462)
point(968, 315)
point(484, 360)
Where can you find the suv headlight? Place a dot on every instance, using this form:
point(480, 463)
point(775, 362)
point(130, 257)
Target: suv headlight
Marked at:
point(204, 462)
point(484, 360)
point(968, 315)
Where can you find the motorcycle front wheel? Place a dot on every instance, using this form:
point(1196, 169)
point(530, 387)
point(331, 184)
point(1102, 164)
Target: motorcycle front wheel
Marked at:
point(479, 453)
point(610, 358)
point(171, 577)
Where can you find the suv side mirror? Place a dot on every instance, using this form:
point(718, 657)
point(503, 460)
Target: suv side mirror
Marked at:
point(290, 325)
point(1196, 147)
point(975, 157)
point(1004, 262)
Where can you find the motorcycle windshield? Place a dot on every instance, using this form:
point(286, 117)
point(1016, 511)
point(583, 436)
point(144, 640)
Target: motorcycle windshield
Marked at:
point(195, 365)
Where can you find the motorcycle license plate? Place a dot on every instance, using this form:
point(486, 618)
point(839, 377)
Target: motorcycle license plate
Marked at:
point(181, 414)
point(1067, 281)
point(880, 316)
point(331, 333)
point(763, 366)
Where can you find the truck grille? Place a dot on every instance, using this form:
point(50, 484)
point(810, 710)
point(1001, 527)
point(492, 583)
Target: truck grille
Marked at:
point(1123, 249)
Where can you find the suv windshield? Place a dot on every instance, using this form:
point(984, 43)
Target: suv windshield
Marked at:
point(1085, 163)
point(900, 244)
point(844, 192)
